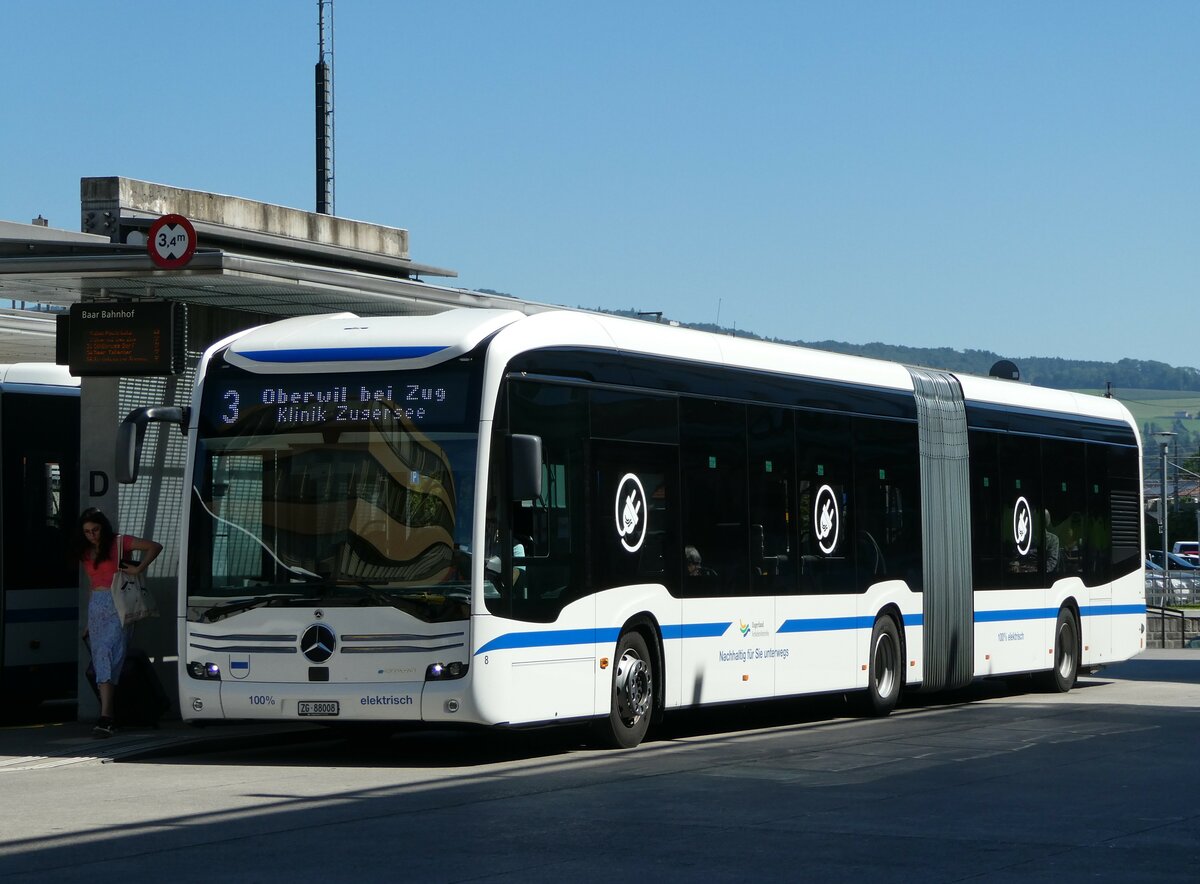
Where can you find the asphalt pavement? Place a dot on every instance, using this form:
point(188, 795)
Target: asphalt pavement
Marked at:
point(996, 783)
point(57, 743)
point(60, 743)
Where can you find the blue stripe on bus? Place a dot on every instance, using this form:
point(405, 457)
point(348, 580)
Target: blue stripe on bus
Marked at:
point(1016, 614)
point(1110, 610)
point(826, 624)
point(696, 630)
point(341, 354)
point(549, 638)
point(1052, 613)
point(1127, 609)
point(558, 637)
point(40, 615)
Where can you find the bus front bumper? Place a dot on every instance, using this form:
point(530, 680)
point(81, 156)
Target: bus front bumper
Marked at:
point(446, 701)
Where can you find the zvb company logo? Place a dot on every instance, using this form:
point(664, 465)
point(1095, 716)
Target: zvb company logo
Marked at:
point(317, 643)
point(827, 521)
point(630, 512)
point(1023, 526)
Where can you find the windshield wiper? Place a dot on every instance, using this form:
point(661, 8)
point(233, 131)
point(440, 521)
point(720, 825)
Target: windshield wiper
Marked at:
point(219, 612)
point(395, 598)
point(373, 594)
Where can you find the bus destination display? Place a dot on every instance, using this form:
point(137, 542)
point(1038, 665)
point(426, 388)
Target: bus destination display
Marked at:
point(125, 338)
point(300, 404)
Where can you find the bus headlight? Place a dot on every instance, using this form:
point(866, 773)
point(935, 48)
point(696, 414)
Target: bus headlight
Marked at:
point(445, 671)
point(206, 671)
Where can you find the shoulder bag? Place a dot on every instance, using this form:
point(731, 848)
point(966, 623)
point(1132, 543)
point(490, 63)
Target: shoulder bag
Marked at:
point(130, 596)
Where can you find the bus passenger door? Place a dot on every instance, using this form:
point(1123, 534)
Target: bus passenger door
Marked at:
point(817, 620)
point(728, 629)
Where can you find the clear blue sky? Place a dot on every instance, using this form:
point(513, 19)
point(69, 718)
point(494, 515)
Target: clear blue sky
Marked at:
point(1011, 176)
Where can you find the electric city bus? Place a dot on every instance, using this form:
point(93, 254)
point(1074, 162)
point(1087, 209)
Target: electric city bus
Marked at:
point(39, 487)
point(485, 517)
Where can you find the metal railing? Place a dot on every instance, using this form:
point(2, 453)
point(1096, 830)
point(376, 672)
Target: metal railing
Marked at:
point(1179, 588)
point(1157, 618)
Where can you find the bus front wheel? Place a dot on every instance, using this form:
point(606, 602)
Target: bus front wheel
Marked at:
point(632, 694)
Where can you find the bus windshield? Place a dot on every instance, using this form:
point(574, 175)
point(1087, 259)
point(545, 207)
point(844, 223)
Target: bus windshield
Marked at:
point(352, 498)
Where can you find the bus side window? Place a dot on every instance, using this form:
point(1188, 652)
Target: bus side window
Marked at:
point(887, 490)
point(824, 509)
point(535, 521)
point(712, 442)
point(1023, 515)
point(1064, 505)
point(771, 485)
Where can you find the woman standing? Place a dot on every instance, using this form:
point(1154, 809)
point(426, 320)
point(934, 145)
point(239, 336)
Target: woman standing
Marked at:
point(96, 548)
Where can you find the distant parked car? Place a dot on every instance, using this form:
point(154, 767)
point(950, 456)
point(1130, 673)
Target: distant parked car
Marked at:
point(1189, 549)
point(1177, 563)
point(1181, 586)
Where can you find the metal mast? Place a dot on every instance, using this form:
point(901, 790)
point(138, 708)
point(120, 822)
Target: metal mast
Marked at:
point(325, 107)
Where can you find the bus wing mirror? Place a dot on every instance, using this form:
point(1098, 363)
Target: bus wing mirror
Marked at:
point(526, 454)
point(132, 433)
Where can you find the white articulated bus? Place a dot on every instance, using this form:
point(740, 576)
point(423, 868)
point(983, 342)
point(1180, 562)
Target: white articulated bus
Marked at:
point(486, 517)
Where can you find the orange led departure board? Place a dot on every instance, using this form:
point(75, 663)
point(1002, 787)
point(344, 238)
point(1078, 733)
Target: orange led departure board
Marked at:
point(116, 338)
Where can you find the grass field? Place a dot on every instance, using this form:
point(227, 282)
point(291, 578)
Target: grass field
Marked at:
point(1160, 407)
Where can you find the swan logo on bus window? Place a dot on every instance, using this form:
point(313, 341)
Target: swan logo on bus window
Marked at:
point(827, 520)
point(1023, 526)
point(631, 512)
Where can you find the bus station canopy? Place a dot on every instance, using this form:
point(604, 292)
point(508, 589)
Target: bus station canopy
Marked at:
point(250, 256)
point(58, 271)
point(61, 273)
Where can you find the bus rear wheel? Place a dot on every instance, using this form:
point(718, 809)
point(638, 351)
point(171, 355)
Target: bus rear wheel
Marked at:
point(632, 694)
point(885, 671)
point(1061, 678)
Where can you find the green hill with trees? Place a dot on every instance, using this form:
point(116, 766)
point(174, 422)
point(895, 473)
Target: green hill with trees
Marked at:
point(1042, 371)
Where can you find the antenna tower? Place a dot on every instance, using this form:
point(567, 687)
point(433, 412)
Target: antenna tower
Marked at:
point(325, 107)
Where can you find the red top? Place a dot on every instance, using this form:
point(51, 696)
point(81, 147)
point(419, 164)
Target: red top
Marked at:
point(101, 574)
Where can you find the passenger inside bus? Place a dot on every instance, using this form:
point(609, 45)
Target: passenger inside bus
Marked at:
point(1053, 547)
point(493, 569)
point(695, 567)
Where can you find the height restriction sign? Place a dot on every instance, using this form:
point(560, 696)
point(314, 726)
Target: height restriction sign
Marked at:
point(172, 242)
